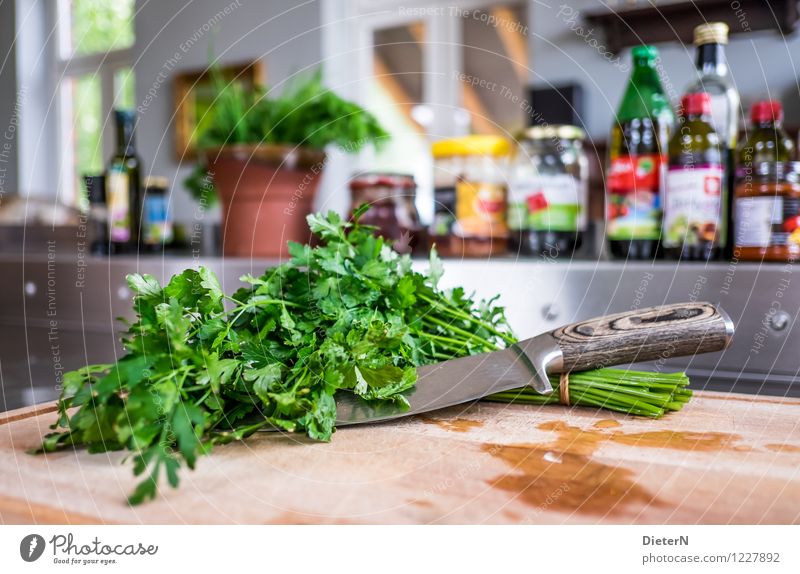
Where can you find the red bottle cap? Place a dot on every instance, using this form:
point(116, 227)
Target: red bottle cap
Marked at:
point(698, 104)
point(766, 111)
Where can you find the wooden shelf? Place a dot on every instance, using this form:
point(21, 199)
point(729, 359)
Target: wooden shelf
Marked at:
point(675, 21)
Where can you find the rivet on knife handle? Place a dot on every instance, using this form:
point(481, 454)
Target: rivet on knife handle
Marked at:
point(643, 335)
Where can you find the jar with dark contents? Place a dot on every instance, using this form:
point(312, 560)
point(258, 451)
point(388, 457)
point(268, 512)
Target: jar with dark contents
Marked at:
point(390, 197)
point(470, 196)
point(156, 230)
point(767, 212)
point(97, 216)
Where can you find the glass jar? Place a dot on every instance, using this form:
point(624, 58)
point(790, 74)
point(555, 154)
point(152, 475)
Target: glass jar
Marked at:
point(97, 218)
point(470, 196)
point(390, 197)
point(767, 212)
point(156, 220)
point(548, 191)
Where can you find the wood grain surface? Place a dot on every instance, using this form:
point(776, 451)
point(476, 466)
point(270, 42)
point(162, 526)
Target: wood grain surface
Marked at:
point(723, 459)
point(642, 335)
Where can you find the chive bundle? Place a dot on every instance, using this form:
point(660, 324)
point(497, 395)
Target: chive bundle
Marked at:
point(633, 392)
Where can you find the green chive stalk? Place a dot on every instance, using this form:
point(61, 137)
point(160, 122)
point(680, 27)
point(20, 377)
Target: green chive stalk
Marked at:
point(639, 393)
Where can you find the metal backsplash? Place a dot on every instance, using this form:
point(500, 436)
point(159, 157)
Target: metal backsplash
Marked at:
point(58, 311)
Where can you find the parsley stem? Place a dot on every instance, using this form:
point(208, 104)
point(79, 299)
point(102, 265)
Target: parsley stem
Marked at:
point(262, 303)
point(456, 342)
point(458, 313)
point(451, 327)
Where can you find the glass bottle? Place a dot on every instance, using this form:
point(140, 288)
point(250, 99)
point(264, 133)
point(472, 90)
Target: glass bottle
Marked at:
point(637, 161)
point(693, 206)
point(767, 204)
point(123, 186)
point(714, 78)
point(768, 142)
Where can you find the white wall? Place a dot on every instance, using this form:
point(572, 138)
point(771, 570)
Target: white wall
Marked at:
point(284, 34)
point(37, 101)
point(8, 94)
point(763, 64)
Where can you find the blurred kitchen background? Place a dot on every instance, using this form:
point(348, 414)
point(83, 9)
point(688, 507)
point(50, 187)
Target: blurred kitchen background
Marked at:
point(428, 71)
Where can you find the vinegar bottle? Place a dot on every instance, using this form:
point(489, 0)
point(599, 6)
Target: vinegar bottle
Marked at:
point(637, 162)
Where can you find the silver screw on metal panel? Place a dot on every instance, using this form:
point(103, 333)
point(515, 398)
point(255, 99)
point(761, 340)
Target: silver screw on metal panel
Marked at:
point(30, 288)
point(550, 312)
point(780, 320)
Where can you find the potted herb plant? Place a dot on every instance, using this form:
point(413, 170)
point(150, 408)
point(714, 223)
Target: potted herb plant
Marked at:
point(265, 156)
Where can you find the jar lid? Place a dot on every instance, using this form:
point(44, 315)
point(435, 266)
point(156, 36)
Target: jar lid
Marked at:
point(156, 182)
point(471, 145)
point(766, 111)
point(564, 132)
point(365, 179)
point(711, 33)
point(697, 103)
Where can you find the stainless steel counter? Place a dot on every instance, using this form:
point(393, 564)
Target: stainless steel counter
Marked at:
point(58, 310)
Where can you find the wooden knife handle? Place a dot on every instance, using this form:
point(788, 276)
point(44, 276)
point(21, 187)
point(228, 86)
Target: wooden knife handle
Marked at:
point(644, 335)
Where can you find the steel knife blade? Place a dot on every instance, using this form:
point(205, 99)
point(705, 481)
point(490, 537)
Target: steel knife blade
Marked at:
point(446, 384)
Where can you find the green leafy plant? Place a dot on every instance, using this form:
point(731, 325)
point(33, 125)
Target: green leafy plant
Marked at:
point(202, 368)
point(306, 114)
point(349, 315)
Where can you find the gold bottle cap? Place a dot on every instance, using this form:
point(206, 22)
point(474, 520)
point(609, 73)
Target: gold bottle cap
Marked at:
point(711, 33)
point(156, 181)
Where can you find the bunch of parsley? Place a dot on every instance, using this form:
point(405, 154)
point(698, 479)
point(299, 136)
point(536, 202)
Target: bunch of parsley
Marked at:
point(203, 368)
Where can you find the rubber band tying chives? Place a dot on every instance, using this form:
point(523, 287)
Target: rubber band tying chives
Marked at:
point(563, 388)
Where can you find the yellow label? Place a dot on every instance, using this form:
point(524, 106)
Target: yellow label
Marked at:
point(118, 199)
point(481, 209)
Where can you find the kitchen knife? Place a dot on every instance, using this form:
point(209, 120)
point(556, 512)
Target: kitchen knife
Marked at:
point(640, 335)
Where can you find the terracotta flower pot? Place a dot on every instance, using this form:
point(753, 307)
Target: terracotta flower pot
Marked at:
point(266, 192)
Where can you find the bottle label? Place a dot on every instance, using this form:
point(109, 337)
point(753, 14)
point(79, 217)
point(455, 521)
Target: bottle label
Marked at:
point(693, 207)
point(767, 221)
point(547, 203)
point(480, 210)
point(634, 202)
point(157, 226)
point(118, 199)
point(444, 211)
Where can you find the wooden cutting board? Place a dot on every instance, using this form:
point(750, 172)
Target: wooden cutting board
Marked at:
point(723, 459)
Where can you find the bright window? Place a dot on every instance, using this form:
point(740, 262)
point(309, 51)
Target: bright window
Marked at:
point(86, 123)
point(98, 26)
point(94, 69)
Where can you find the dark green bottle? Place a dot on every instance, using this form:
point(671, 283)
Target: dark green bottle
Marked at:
point(767, 141)
point(693, 207)
point(123, 187)
point(637, 160)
